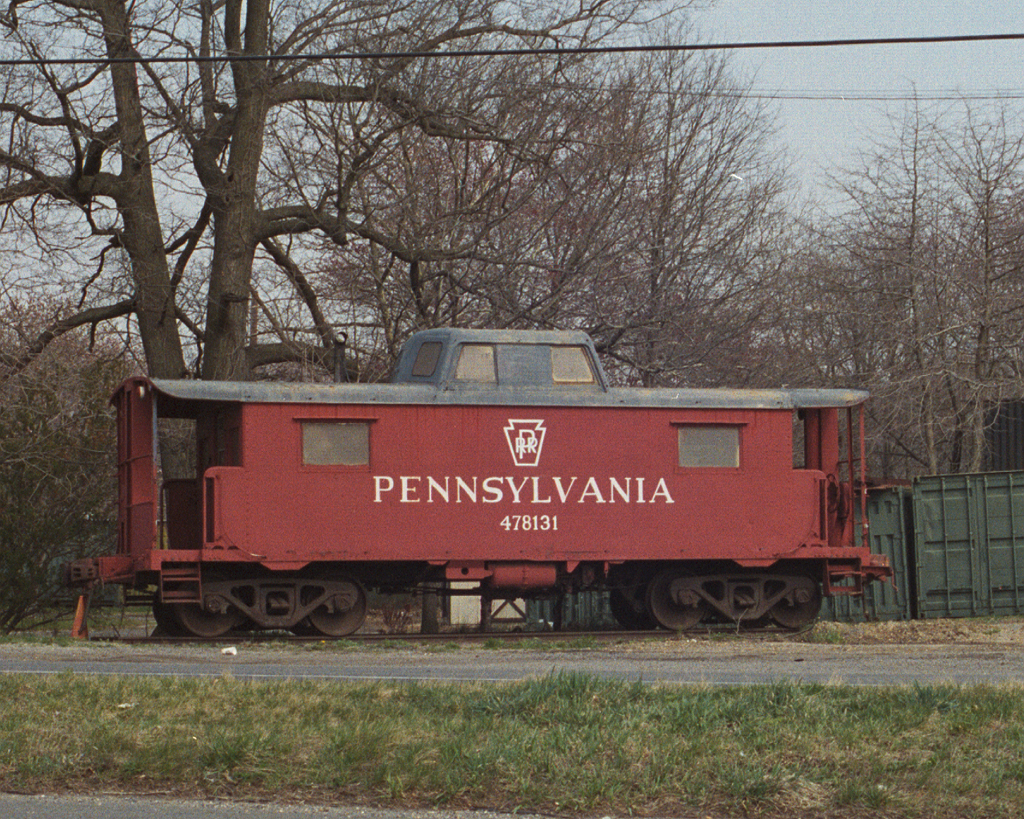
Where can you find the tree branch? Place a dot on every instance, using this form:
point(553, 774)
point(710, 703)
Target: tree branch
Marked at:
point(305, 291)
point(13, 364)
point(407, 107)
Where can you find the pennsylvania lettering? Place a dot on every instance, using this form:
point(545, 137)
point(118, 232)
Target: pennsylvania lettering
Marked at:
point(532, 490)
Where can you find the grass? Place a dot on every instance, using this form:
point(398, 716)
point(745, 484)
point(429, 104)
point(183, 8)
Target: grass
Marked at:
point(566, 743)
point(583, 642)
point(826, 633)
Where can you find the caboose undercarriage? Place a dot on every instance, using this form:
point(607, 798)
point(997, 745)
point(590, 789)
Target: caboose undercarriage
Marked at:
point(681, 596)
point(333, 608)
point(331, 600)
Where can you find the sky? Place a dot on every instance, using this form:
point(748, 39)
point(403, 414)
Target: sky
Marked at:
point(825, 135)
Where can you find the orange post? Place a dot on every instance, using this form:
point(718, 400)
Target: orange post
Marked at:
point(80, 628)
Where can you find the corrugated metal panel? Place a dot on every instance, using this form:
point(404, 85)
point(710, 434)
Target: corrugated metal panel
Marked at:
point(889, 535)
point(583, 611)
point(969, 532)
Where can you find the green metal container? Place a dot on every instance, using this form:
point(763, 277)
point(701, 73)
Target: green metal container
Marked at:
point(889, 534)
point(969, 535)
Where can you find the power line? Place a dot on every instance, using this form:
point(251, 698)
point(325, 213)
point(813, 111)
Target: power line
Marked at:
point(842, 95)
point(524, 52)
point(939, 95)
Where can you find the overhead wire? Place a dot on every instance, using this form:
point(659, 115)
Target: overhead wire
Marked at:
point(862, 95)
point(853, 95)
point(553, 51)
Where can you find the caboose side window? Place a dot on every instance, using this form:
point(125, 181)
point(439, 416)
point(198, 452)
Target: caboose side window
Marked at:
point(570, 365)
point(476, 363)
point(426, 359)
point(703, 445)
point(335, 443)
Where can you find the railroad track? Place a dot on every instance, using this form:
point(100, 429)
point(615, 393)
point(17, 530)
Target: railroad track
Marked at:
point(489, 638)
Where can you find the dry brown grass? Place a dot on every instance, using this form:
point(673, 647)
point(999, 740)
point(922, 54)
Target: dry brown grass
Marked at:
point(920, 632)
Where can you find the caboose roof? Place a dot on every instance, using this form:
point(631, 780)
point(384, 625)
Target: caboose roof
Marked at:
point(180, 397)
point(184, 398)
point(462, 335)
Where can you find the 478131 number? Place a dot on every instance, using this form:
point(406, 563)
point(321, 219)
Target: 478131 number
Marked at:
point(530, 523)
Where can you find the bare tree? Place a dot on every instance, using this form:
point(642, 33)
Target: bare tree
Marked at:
point(706, 229)
point(176, 176)
point(646, 207)
point(917, 291)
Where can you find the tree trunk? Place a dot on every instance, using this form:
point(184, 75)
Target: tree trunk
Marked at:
point(234, 200)
point(142, 236)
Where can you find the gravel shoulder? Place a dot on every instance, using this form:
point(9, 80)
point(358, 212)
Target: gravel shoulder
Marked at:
point(929, 652)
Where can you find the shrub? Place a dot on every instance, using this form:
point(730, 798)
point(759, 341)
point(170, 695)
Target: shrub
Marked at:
point(57, 472)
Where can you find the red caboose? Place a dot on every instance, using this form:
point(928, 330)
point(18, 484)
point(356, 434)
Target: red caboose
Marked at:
point(497, 457)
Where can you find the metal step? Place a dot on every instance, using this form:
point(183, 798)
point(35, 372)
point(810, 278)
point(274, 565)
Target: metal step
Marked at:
point(180, 583)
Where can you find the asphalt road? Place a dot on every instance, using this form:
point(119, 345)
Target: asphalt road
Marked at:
point(671, 661)
point(16, 806)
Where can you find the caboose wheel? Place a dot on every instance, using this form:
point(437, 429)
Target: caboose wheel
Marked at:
point(304, 629)
point(630, 609)
point(202, 623)
point(627, 597)
point(344, 612)
point(671, 609)
point(167, 624)
point(800, 606)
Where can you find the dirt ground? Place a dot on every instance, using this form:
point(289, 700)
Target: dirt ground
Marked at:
point(979, 631)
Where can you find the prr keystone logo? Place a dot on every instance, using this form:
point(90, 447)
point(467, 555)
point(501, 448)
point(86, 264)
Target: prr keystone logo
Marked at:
point(525, 440)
